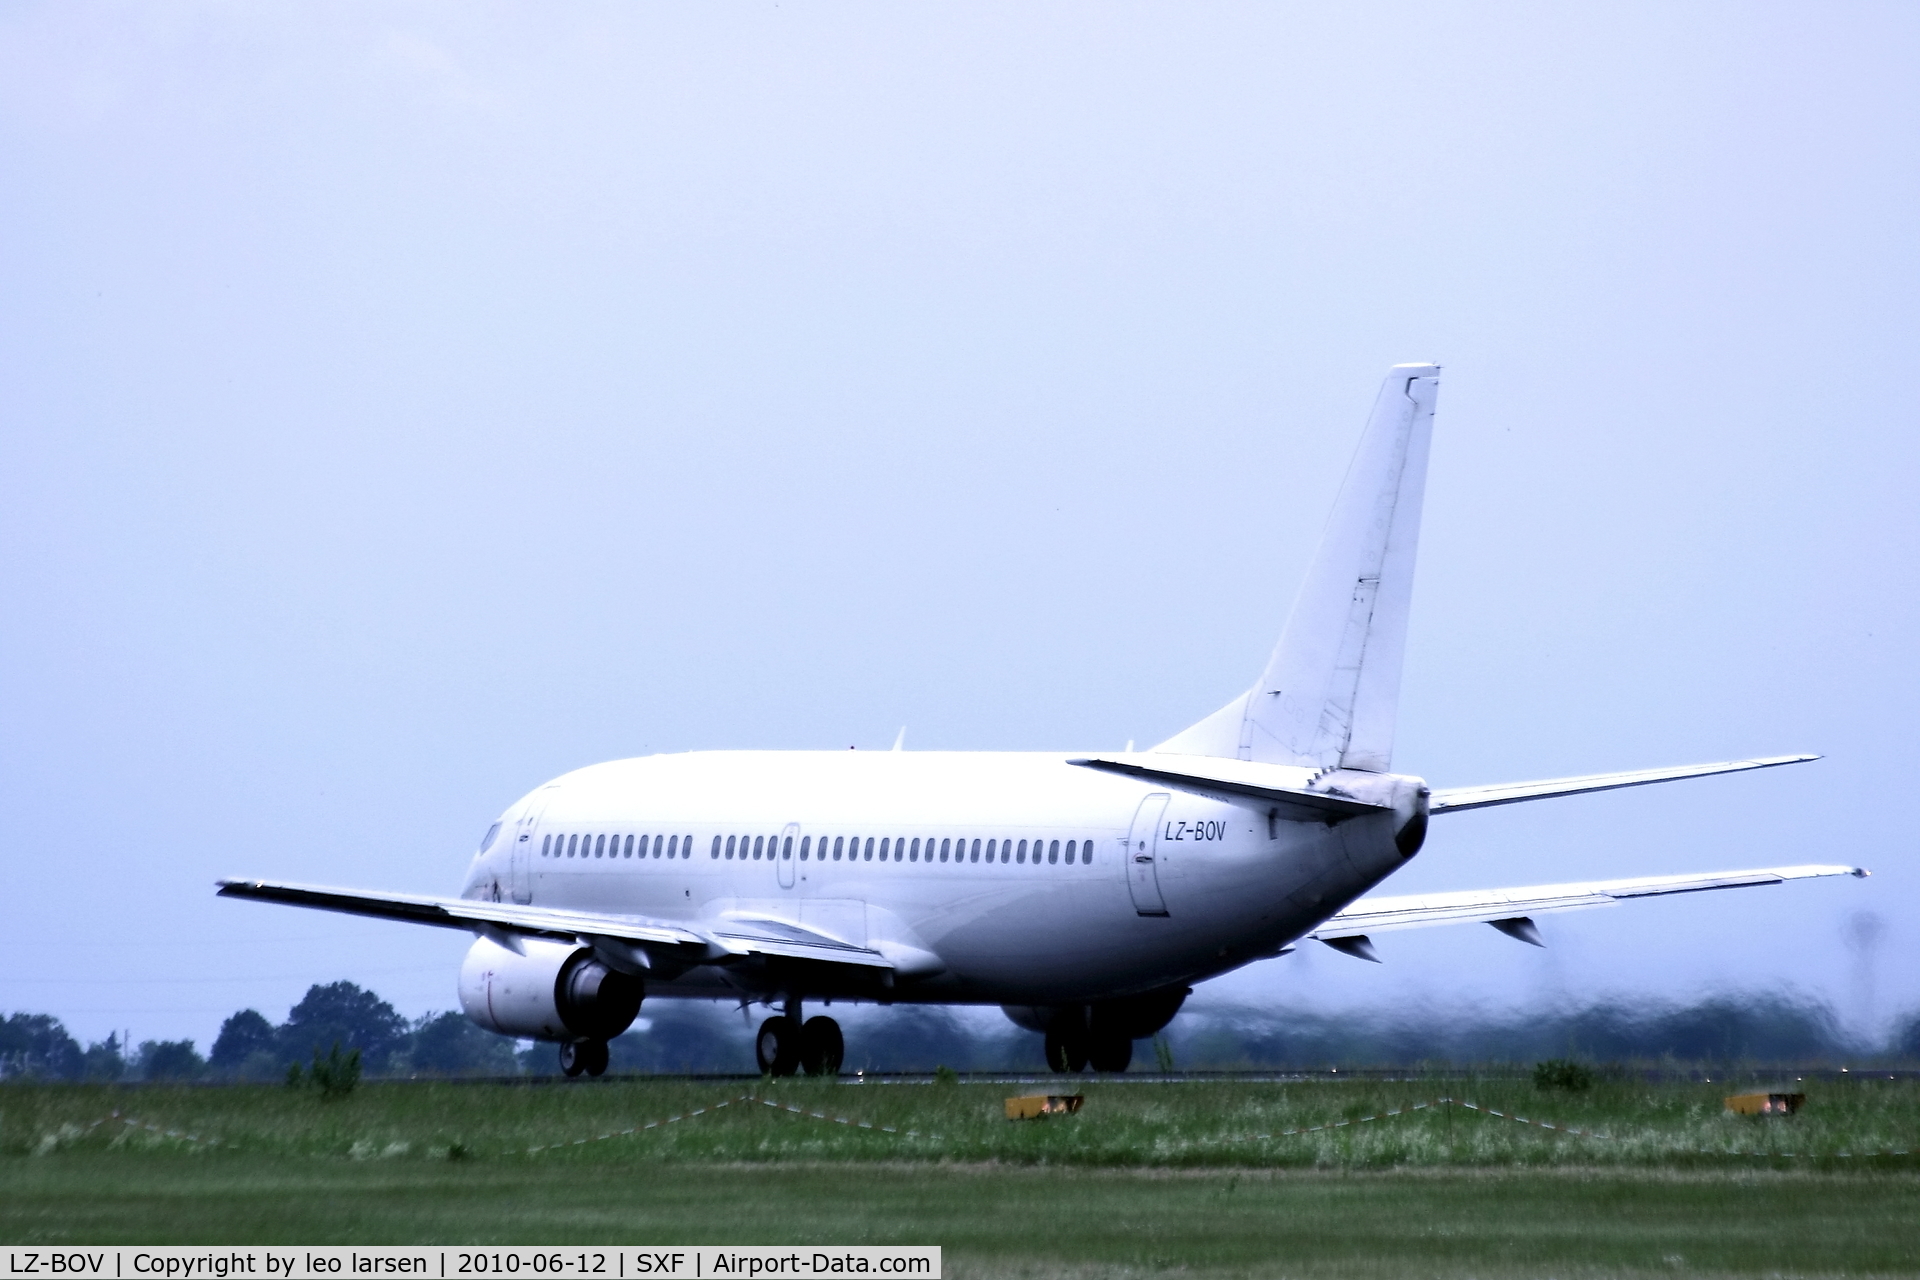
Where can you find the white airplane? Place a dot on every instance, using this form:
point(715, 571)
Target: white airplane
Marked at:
point(1084, 892)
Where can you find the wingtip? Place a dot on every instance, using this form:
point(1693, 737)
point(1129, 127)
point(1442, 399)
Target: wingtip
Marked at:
point(1860, 873)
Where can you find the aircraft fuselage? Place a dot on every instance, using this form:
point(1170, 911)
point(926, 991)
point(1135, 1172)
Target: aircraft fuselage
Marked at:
point(991, 877)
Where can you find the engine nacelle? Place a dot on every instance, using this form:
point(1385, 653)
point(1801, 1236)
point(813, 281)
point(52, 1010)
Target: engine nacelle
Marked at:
point(556, 991)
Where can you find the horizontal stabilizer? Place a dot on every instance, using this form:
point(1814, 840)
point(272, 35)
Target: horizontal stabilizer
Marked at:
point(1454, 799)
point(1283, 786)
point(1489, 906)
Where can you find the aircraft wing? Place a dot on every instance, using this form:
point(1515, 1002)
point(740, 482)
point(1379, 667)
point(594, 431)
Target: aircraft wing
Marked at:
point(736, 937)
point(1454, 799)
point(1505, 906)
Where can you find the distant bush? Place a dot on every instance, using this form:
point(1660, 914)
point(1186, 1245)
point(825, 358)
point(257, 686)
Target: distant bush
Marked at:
point(243, 1038)
point(343, 1013)
point(1559, 1073)
point(449, 1044)
point(170, 1060)
point(104, 1061)
point(336, 1075)
point(36, 1045)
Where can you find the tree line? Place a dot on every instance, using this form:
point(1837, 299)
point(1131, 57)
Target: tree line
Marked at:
point(682, 1037)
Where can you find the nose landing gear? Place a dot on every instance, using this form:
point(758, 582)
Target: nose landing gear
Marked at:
point(589, 1056)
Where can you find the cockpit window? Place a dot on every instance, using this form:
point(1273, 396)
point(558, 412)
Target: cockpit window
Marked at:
point(493, 833)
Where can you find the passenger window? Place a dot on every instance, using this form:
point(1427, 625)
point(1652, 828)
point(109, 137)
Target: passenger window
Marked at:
point(806, 845)
point(913, 853)
point(991, 846)
point(1053, 852)
point(759, 843)
point(884, 842)
point(869, 848)
point(546, 843)
point(1021, 854)
point(716, 846)
point(1086, 853)
point(572, 841)
point(1069, 853)
point(600, 845)
point(786, 850)
point(839, 847)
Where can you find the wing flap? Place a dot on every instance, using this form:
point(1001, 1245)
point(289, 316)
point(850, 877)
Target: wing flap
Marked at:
point(1454, 799)
point(748, 935)
point(1418, 911)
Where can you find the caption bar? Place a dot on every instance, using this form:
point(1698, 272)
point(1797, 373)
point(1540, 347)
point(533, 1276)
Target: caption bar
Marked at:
point(337, 1262)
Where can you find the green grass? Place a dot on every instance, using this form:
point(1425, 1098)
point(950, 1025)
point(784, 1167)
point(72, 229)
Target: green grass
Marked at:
point(1148, 1178)
point(1143, 1125)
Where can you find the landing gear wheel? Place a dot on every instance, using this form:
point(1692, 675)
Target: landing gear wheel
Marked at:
point(1110, 1053)
point(822, 1048)
point(777, 1047)
point(572, 1061)
point(1066, 1050)
point(593, 1054)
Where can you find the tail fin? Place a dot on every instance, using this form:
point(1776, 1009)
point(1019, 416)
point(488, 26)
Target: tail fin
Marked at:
point(1330, 692)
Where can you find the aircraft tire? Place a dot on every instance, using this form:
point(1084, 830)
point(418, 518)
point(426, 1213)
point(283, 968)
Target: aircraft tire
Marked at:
point(572, 1060)
point(1110, 1053)
point(822, 1047)
point(596, 1056)
point(1066, 1050)
point(777, 1047)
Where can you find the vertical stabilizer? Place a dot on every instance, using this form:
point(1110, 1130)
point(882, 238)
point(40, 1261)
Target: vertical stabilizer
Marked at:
point(1329, 694)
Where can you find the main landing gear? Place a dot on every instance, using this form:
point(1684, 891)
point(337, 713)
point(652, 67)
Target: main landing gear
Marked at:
point(786, 1044)
point(1072, 1048)
point(589, 1056)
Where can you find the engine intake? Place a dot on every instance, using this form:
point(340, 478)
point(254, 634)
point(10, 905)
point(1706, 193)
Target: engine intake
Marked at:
point(555, 991)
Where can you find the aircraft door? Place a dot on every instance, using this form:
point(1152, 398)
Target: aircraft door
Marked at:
point(1143, 844)
point(789, 845)
point(520, 862)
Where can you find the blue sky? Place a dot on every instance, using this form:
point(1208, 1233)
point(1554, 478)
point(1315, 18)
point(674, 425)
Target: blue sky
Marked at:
point(402, 404)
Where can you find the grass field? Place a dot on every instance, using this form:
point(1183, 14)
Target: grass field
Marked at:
point(1199, 1179)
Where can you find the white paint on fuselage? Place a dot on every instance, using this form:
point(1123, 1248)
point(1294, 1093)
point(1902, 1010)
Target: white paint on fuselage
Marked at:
point(1236, 885)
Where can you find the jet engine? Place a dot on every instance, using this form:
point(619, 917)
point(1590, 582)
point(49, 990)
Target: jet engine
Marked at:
point(547, 991)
